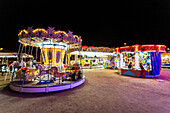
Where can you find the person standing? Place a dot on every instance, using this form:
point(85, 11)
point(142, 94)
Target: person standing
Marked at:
point(30, 63)
point(21, 63)
point(148, 68)
point(11, 68)
point(130, 65)
point(143, 71)
point(91, 64)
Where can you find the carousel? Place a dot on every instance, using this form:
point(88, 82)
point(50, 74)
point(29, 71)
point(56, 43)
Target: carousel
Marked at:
point(53, 72)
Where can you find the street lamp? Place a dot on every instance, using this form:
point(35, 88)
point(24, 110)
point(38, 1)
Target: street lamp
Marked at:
point(1, 49)
point(125, 44)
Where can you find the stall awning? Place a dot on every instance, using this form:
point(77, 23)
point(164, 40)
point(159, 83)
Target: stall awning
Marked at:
point(91, 53)
point(13, 55)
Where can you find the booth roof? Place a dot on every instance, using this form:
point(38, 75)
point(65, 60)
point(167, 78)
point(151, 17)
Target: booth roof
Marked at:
point(91, 53)
point(13, 54)
point(141, 48)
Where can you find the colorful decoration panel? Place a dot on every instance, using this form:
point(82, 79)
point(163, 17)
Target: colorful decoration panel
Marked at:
point(141, 48)
point(96, 49)
point(127, 49)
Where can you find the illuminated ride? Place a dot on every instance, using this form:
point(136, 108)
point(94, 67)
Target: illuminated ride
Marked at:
point(91, 57)
point(149, 56)
point(50, 74)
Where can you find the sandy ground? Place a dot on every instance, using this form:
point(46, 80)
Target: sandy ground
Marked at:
point(104, 91)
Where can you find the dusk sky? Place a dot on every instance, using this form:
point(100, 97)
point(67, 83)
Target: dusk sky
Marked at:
point(99, 24)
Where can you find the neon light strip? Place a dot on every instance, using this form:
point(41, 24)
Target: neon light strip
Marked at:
point(138, 48)
point(23, 31)
point(75, 36)
point(56, 32)
point(39, 30)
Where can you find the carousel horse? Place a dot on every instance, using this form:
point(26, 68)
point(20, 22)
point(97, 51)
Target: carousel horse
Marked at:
point(25, 74)
point(54, 71)
point(64, 77)
point(58, 75)
point(42, 71)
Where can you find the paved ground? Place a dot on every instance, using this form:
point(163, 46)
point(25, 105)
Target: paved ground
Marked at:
point(103, 92)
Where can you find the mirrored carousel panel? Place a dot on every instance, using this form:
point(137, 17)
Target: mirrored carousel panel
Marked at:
point(53, 56)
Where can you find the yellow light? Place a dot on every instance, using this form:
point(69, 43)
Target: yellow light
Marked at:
point(76, 36)
point(56, 32)
point(54, 56)
point(26, 32)
point(136, 48)
point(39, 30)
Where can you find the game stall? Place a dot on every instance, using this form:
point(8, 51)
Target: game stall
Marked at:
point(91, 57)
point(130, 58)
point(165, 60)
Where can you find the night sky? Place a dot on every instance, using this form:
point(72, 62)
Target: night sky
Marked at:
point(102, 23)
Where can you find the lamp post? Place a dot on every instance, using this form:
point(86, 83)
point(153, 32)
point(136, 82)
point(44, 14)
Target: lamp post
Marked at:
point(1, 49)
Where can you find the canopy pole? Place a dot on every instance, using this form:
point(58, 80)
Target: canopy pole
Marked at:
point(19, 50)
point(36, 52)
point(22, 49)
point(31, 50)
point(80, 58)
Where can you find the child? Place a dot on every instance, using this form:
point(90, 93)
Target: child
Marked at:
point(130, 65)
point(148, 68)
point(143, 71)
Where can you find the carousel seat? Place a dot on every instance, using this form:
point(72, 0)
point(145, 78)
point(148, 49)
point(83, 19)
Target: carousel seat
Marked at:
point(54, 72)
point(42, 71)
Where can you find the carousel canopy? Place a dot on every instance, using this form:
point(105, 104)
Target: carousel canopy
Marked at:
point(40, 37)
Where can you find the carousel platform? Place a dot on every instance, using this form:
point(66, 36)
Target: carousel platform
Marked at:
point(33, 87)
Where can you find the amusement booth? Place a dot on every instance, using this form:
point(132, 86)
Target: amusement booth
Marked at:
point(91, 57)
point(165, 60)
point(50, 74)
point(130, 59)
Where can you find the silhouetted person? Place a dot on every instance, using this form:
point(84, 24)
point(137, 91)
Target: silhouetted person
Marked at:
point(130, 65)
point(142, 70)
